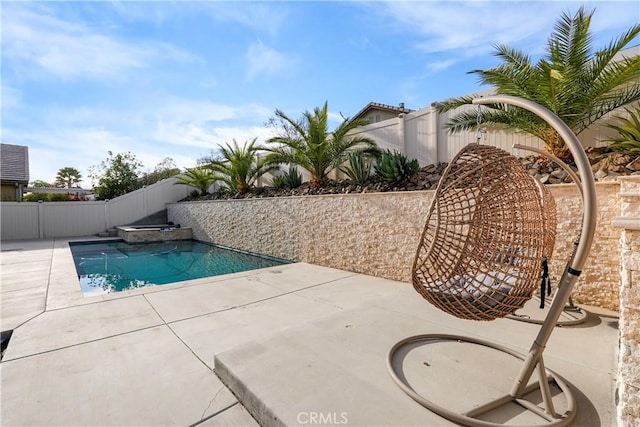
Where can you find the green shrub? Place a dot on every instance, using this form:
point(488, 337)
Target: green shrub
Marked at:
point(59, 197)
point(34, 197)
point(359, 169)
point(393, 167)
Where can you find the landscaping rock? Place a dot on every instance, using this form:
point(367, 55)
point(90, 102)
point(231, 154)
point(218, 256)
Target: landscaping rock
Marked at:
point(600, 174)
point(606, 165)
point(543, 178)
point(634, 165)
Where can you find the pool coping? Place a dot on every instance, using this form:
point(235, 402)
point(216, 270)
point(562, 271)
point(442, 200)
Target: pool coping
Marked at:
point(65, 292)
point(134, 244)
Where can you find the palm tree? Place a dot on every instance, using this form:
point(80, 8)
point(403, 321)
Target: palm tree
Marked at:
point(200, 178)
point(240, 167)
point(579, 87)
point(68, 177)
point(311, 146)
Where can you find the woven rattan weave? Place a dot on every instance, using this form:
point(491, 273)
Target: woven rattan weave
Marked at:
point(487, 232)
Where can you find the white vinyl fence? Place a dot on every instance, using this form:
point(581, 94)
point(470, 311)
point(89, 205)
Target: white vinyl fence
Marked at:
point(27, 220)
point(422, 135)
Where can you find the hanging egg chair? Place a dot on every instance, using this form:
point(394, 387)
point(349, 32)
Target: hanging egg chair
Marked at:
point(489, 228)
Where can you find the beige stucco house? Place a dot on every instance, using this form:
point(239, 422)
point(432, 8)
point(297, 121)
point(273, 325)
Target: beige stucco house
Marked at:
point(375, 112)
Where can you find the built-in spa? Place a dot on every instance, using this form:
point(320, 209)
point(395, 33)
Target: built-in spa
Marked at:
point(153, 233)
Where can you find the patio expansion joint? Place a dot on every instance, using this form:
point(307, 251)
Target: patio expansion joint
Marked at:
point(261, 300)
point(168, 325)
point(35, 286)
point(82, 343)
point(46, 295)
point(307, 287)
point(30, 319)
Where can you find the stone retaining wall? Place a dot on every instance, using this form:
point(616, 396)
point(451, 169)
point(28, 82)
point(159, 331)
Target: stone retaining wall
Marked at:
point(629, 351)
point(599, 283)
point(378, 233)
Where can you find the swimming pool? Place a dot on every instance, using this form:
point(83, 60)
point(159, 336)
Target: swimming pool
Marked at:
point(115, 266)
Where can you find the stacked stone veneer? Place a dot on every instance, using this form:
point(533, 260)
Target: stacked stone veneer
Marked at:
point(629, 324)
point(378, 233)
point(375, 233)
point(599, 282)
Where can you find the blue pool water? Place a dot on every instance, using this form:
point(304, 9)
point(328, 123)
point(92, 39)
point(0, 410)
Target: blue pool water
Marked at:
point(115, 266)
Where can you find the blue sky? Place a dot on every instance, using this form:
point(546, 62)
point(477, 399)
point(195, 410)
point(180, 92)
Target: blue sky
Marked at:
point(175, 79)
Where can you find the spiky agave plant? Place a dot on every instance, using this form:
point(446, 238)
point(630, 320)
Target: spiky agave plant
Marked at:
point(628, 139)
point(359, 168)
point(289, 179)
point(394, 168)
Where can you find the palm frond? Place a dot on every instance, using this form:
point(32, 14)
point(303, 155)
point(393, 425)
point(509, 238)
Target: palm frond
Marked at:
point(575, 84)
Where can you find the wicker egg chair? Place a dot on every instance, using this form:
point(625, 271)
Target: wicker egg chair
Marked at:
point(489, 228)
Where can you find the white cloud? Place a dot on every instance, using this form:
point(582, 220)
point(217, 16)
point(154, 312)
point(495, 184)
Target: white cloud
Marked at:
point(181, 110)
point(53, 149)
point(434, 67)
point(37, 41)
point(260, 17)
point(264, 60)
point(469, 27)
point(179, 128)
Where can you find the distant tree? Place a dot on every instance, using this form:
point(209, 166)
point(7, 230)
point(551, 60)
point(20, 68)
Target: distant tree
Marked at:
point(47, 197)
point(68, 177)
point(59, 197)
point(115, 176)
point(163, 170)
point(38, 183)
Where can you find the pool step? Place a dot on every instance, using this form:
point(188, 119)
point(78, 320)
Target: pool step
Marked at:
point(112, 232)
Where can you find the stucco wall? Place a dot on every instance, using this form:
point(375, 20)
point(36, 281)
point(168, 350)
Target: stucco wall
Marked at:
point(378, 233)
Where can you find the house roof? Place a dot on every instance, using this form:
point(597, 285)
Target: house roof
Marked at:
point(381, 107)
point(14, 163)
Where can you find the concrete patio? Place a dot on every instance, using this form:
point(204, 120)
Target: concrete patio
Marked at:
point(296, 344)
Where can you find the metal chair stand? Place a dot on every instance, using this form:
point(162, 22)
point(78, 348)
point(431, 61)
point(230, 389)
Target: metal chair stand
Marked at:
point(546, 380)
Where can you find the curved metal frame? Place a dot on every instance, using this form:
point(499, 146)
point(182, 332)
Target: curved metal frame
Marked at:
point(533, 360)
point(570, 307)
